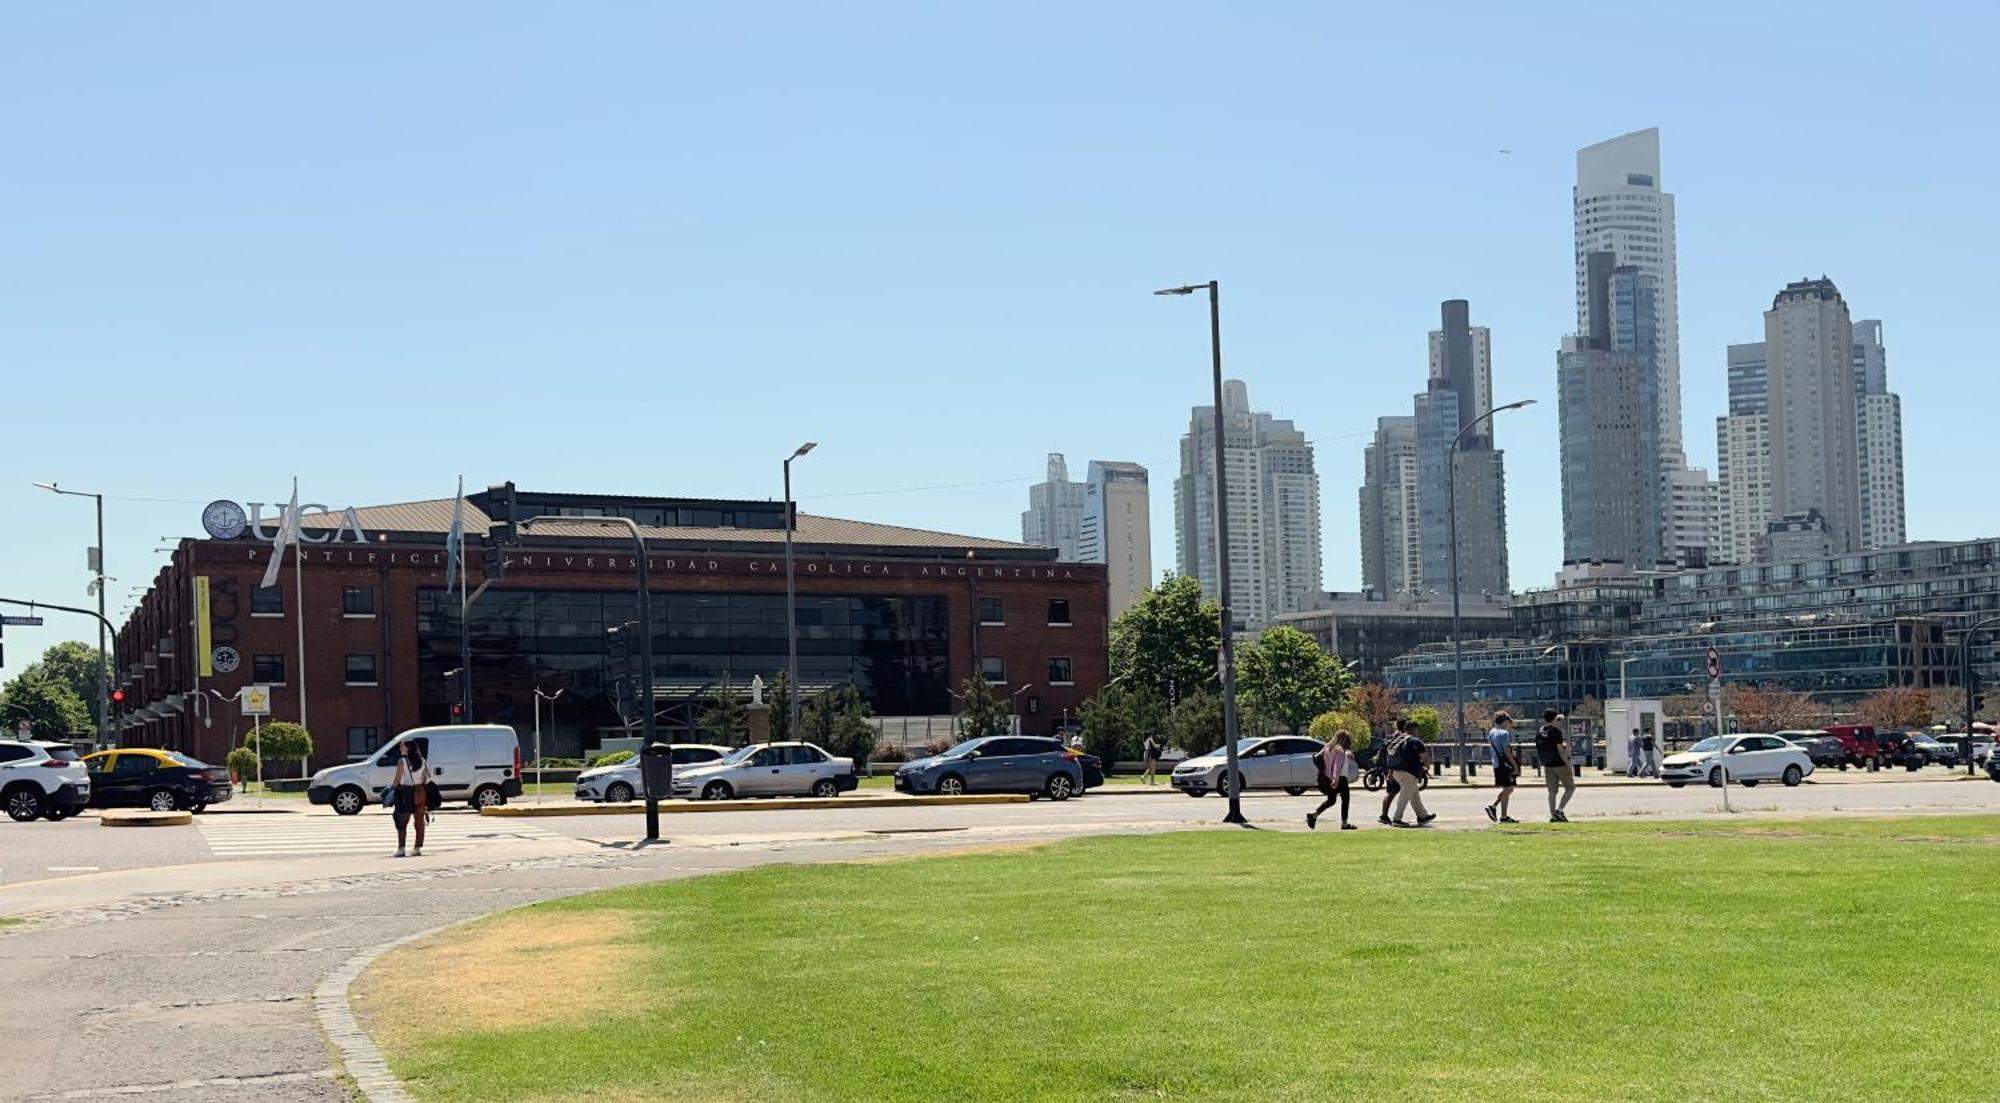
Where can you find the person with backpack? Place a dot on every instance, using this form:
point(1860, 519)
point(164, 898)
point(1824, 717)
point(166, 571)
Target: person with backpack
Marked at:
point(1337, 768)
point(1506, 766)
point(1385, 761)
point(1557, 772)
point(1410, 760)
point(1150, 754)
point(409, 795)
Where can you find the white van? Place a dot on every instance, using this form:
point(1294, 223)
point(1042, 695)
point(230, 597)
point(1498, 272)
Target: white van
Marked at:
point(476, 763)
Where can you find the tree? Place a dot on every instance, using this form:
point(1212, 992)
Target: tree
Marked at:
point(981, 711)
point(1195, 725)
point(1769, 707)
point(1898, 708)
point(781, 707)
point(1377, 703)
point(1289, 679)
point(1590, 708)
point(1327, 724)
point(75, 665)
point(51, 708)
point(724, 720)
point(1165, 645)
point(1479, 716)
point(838, 722)
point(1116, 722)
point(1426, 723)
point(281, 741)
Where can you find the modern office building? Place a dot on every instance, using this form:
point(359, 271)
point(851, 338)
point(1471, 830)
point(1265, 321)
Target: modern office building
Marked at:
point(1694, 533)
point(1461, 358)
point(1879, 418)
point(1743, 447)
point(1521, 676)
point(1117, 529)
point(1449, 407)
point(1391, 531)
point(1608, 389)
point(1054, 518)
point(1371, 629)
point(1274, 522)
point(902, 614)
point(1589, 601)
point(1837, 664)
point(1814, 432)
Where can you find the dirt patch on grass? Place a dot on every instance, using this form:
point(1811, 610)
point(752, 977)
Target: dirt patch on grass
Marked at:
point(557, 967)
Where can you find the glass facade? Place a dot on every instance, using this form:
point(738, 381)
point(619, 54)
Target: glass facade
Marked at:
point(1836, 662)
point(1517, 675)
point(894, 649)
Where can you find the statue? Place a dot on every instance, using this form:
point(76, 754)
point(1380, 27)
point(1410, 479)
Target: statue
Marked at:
point(756, 690)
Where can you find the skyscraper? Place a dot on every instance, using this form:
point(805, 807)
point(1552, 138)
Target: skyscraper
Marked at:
point(1607, 386)
point(1054, 518)
point(1460, 391)
point(1742, 445)
point(1814, 435)
point(1274, 549)
point(1879, 416)
point(1620, 209)
point(1462, 358)
point(1117, 529)
point(1391, 536)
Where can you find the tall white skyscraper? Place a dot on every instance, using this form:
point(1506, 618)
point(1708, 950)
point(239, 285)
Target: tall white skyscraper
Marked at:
point(1117, 529)
point(1620, 209)
point(1392, 550)
point(1274, 548)
point(1054, 518)
point(1880, 416)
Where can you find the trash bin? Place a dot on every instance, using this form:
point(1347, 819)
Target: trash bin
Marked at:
point(657, 762)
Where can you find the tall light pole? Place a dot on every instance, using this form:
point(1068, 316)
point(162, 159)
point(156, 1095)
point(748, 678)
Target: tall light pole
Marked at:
point(791, 604)
point(1227, 658)
point(551, 699)
point(1451, 513)
point(646, 656)
point(1965, 653)
point(97, 584)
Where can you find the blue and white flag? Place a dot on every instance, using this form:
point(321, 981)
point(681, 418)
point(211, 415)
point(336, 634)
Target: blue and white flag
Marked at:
point(454, 541)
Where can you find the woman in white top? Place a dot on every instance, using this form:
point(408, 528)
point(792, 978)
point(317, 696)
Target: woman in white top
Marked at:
point(413, 777)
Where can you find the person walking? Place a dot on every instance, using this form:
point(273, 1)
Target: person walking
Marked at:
point(1337, 769)
point(1150, 753)
point(1635, 758)
point(1558, 772)
point(1506, 766)
point(1385, 759)
point(1407, 767)
point(410, 791)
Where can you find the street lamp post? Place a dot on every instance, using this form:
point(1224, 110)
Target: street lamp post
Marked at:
point(105, 690)
point(1451, 514)
point(1016, 703)
point(551, 699)
point(1965, 654)
point(791, 604)
point(1226, 659)
point(645, 651)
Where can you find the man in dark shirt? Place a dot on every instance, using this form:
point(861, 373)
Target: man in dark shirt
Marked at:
point(1557, 774)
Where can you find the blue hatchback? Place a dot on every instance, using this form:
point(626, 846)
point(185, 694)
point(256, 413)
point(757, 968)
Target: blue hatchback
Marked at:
point(997, 764)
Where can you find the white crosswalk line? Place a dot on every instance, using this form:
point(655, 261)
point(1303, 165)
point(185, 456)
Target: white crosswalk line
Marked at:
point(277, 836)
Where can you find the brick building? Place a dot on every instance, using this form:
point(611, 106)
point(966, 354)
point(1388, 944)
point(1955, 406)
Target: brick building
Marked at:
point(905, 615)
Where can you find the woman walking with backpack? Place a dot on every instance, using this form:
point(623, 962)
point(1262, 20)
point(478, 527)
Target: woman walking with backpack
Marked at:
point(409, 793)
point(1337, 768)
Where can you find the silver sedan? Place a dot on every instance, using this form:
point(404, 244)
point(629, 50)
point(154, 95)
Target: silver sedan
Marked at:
point(1270, 762)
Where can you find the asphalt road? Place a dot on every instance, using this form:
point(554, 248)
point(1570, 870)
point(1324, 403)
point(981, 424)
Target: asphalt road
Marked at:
point(171, 971)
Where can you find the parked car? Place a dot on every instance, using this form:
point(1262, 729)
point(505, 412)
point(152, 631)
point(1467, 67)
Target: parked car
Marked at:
point(1269, 762)
point(1823, 749)
point(1859, 742)
point(141, 777)
point(620, 782)
point(997, 764)
point(1747, 758)
point(1929, 749)
point(476, 763)
point(1093, 771)
point(1993, 766)
point(41, 780)
point(768, 770)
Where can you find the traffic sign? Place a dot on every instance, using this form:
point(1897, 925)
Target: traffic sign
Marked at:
point(257, 700)
point(1714, 663)
point(21, 622)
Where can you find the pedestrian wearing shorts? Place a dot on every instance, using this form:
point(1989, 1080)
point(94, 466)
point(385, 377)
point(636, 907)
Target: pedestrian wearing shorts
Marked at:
point(408, 791)
point(1506, 766)
point(1337, 767)
point(1151, 754)
point(1558, 774)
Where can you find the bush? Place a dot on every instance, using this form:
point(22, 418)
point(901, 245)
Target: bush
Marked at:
point(280, 740)
point(1353, 723)
point(939, 746)
point(1425, 723)
point(243, 763)
point(554, 763)
point(889, 752)
point(611, 759)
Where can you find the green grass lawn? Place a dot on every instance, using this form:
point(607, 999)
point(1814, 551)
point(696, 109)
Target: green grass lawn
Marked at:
point(1632, 961)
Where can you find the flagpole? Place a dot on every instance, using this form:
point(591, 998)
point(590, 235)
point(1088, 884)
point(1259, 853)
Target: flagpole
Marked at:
point(299, 595)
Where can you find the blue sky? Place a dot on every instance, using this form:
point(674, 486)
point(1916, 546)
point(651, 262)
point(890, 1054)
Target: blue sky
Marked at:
point(649, 248)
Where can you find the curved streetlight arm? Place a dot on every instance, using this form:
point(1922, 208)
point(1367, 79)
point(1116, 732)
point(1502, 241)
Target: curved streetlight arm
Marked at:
point(1451, 516)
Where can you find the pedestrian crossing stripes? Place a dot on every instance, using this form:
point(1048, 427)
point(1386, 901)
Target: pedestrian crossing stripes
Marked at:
point(279, 836)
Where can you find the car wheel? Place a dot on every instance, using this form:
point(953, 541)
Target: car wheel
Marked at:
point(1059, 787)
point(1294, 791)
point(57, 815)
point(1793, 775)
point(198, 808)
point(488, 796)
point(163, 800)
point(1750, 784)
point(717, 790)
point(618, 793)
point(349, 801)
point(24, 803)
point(824, 788)
point(1222, 785)
point(951, 785)
point(1676, 784)
point(1715, 778)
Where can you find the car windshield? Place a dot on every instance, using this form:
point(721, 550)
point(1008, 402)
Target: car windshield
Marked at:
point(962, 749)
point(190, 763)
point(1242, 747)
point(1712, 743)
point(739, 755)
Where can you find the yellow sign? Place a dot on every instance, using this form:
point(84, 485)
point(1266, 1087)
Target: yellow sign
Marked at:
point(203, 653)
point(257, 700)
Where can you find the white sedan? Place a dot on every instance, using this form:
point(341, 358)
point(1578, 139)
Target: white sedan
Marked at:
point(619, 783)
point(1746, 758)
point(1280, 762)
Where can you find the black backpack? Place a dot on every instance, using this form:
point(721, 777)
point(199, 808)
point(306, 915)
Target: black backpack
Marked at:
point(1410, 755)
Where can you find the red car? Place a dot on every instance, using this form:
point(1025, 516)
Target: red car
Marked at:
point(1859, 741)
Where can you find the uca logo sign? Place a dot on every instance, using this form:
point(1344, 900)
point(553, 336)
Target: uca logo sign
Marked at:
point(223, 519)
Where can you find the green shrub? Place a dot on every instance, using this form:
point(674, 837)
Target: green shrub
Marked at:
point(243, 763)
point(554, 763)
point(1425, 723)
point(889, 752)
point(1353, 723)
point(612, 758)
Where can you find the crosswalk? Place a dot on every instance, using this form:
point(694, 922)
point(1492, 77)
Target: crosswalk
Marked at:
point(281, 836)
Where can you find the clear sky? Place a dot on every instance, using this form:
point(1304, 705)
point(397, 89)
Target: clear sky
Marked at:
point(650, 248)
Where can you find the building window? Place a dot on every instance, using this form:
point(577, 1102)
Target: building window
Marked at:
point(267, 669)
point(361, 670)
point(361, 742)
point(1059, 612)
point(267, 601)
point(993, 668)
point(357, 601)
point(989, 611)
point(1060, 673)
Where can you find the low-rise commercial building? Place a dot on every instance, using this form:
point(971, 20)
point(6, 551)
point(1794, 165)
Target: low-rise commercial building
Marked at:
point(1370, 630)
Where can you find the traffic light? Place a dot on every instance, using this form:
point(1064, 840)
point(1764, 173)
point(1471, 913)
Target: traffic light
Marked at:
point(500, 510)
point(493, 557)
point(118, 697)
point(457, 713)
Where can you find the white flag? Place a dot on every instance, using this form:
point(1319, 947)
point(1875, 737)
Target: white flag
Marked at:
point(288, 534)
point(454, 541)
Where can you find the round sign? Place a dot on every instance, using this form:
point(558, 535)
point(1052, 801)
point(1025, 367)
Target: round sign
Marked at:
point(225, 660)
point(223, 519)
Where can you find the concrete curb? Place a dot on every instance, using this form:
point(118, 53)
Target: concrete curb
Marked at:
point(354, 1049)
point(776, 804)
point(145, 819)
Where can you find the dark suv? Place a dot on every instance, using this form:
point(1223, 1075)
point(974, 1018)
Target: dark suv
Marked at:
point(1823, 749)
point(997, 764)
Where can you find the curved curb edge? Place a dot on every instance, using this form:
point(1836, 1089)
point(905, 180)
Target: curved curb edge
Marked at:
point(356, 1052)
